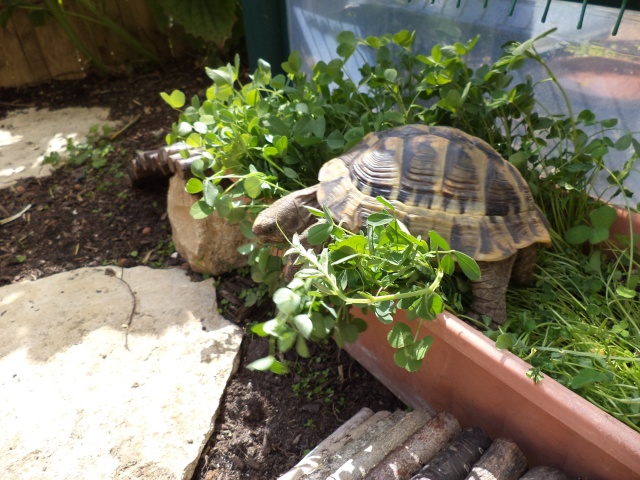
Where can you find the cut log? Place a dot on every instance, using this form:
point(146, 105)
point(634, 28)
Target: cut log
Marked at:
point(407, 458)
point(152, 165)
point(322, 455)
point(544, 473)
point(455, 461)
point(503, 461)
point(370, 455)
point(354, 447)
point(329, 445)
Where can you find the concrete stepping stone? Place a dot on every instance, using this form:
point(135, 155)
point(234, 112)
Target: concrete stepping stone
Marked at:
point(110, 374)
point(26, 136)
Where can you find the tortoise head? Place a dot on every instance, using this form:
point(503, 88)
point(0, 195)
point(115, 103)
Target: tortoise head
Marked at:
point(286, 216)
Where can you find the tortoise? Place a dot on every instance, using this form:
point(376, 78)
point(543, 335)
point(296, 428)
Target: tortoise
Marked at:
point(437, 178)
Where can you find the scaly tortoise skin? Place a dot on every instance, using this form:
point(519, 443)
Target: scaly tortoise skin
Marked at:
point(437, 178)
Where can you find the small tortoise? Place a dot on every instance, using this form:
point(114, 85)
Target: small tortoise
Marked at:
point(437, 178)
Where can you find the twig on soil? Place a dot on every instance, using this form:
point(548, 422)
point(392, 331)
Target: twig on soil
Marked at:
point(131, 122)
point(147, 256)
point(21, 105)
point(4, 221)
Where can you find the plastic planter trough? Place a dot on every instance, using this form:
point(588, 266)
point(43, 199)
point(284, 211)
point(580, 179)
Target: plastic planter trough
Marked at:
point(465, 374)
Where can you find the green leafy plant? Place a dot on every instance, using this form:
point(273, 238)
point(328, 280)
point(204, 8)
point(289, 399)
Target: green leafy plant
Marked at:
point(164, 249)
point(95, 150)
point(316, 384)
point(253, 295)
point(382, 269)
point(211, 21)
point(269, 136)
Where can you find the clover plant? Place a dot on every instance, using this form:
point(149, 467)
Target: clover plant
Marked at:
point(95, 149)
point(383, 269)
point(267, 135)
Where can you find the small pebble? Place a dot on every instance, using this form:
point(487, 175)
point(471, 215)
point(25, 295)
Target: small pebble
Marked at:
point(77, 186)
point(146, 230)
point(20, 190)
point(123, 262)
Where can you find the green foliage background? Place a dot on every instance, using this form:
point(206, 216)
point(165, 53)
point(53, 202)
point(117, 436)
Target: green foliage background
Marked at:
point(209, 21)
point(268, 136)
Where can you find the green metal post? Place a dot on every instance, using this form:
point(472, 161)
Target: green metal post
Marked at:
point(265, 25)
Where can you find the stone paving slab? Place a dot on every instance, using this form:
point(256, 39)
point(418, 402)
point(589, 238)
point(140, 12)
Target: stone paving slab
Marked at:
point(26, 136)
point(88, 392)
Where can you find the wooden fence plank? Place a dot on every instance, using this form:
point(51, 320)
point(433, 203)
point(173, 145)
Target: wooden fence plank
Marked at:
point(23, 54)
point(140, 21)
point(30, 55)
point(30, 46)
point(14, 69)
point(63, 61)
point(118, 52)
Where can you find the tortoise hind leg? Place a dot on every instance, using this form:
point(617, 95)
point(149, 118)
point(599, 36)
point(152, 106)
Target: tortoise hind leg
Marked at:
point(490, 291)
point(522, 273)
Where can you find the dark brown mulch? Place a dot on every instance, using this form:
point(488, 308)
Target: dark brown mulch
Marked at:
point(85, 217)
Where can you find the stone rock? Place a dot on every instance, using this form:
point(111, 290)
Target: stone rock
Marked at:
point(27, 136)
point(110, 374)
point(210, 245)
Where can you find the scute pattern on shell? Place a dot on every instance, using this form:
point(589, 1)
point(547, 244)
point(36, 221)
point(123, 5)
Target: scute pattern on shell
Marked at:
point(437, 178)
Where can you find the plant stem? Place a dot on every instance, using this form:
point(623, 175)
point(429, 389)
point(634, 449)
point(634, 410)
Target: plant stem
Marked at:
point(398, 296)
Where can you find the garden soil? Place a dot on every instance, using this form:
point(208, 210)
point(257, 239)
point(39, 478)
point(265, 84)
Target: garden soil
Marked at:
point(82, 216)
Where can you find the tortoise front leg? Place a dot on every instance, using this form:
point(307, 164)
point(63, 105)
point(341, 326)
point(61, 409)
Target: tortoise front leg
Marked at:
point(490, 291)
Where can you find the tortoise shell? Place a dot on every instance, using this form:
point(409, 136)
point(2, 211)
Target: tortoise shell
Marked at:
point(437, 178)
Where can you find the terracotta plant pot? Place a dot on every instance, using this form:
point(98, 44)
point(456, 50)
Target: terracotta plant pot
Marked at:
point(466, 375)
point(622, 223)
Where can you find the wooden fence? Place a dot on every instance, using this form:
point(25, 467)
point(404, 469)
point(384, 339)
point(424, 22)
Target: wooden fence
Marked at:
point(31, 54)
